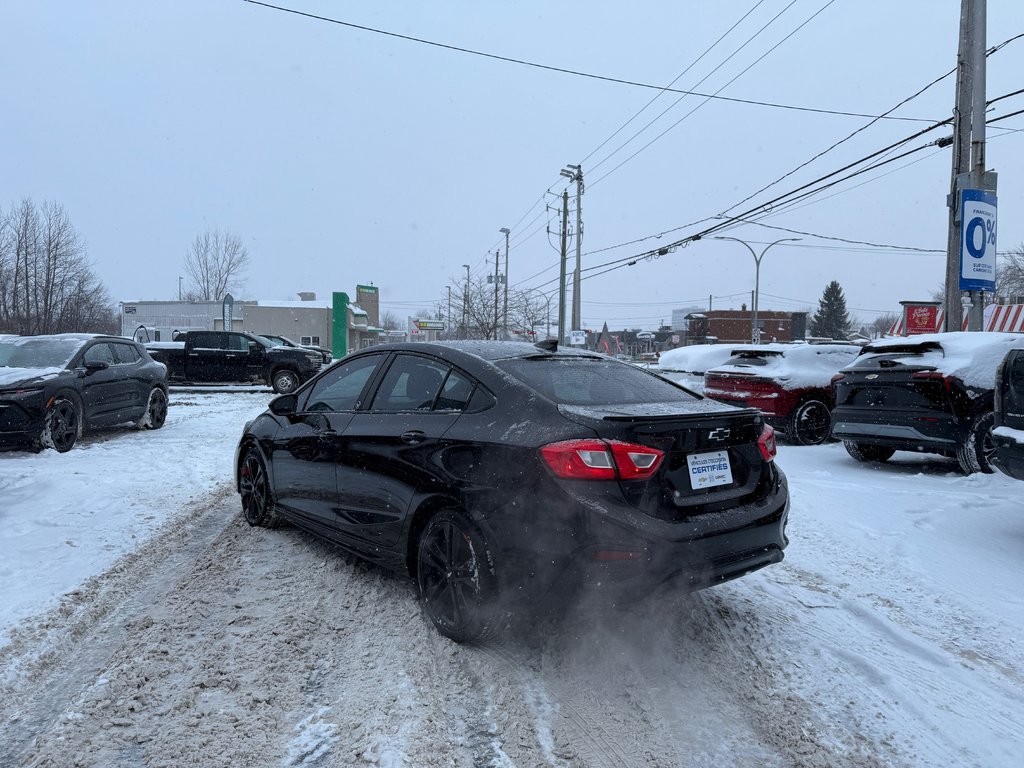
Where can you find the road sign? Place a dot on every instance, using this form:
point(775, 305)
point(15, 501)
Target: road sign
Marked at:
point(577, 338)
point(645, 335)
point(977, 240)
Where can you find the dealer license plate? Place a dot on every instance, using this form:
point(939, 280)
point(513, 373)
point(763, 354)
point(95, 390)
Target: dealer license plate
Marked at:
point(709, 469)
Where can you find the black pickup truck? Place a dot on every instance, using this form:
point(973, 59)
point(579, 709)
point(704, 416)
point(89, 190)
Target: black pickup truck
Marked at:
point(208, 357)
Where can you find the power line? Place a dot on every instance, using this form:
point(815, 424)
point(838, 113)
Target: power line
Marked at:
point(562, 70)
point(708, 98)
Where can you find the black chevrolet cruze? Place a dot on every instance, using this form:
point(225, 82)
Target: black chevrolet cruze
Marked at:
point(494, 472)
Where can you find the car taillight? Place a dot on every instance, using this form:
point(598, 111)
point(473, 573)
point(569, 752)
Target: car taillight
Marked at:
point(838, 377)
point(766, 443)
point(601, 460)
point(934, 376)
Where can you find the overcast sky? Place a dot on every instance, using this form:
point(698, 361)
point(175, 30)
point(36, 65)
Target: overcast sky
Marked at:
point(341, 156)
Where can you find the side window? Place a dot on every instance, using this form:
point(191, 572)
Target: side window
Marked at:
point(455, 393)
point(126, 354)
point(339, 388)
point(412, 383)
point(99, 353)
point(237, 342)
point(202, 340)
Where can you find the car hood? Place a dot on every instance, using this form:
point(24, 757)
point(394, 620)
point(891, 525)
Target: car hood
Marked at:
point(11, 377)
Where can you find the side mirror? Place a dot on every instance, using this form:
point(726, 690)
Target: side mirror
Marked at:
point(95, 366)
point(253, 346)
point(284, 405)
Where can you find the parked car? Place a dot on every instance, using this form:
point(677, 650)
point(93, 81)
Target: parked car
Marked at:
point(232, 357)
point(494, 472)
point(687, 365)
point(1008, 414)
point(54, 388)
point(284, 341)
point(931, 393)
point(790, 383)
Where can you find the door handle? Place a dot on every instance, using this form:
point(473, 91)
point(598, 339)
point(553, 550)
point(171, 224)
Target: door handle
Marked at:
point(413, 437)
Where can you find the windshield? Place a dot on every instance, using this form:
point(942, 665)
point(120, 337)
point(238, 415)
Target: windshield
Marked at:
point(38, 352)
point(593, 381)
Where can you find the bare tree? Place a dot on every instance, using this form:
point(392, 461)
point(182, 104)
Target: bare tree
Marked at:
point(1010, 274)
point(46, 282)
point(389, 321)
point(215, 264)
point(881, 324)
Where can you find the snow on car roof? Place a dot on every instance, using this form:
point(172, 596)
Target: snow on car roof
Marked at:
point(696, 358)
point(971, 357)
point(795, 366)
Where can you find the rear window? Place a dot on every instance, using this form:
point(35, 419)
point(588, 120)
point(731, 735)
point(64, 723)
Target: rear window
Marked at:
point(592, 381)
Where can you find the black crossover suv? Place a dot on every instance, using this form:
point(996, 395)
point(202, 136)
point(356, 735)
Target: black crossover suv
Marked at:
point(931, 393)
point(1008, 435)
point(493, 471)
point(54, 388)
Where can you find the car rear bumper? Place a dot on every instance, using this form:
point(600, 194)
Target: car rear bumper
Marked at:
point(621, 563)
point(1009, 457)
point(932, 431)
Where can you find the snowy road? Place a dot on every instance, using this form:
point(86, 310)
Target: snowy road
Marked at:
point(889, 636)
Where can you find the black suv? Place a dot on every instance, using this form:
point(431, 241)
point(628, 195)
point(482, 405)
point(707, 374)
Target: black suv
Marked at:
point(931, 393)
point(1008, 435)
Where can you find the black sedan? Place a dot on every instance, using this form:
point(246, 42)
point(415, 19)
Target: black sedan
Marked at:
point(53, 388)
point(494, 472)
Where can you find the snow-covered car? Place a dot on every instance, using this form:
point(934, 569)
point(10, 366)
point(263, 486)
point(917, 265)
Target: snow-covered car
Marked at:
point(931, 393)
point(687, 365)
point(54, 388)
point(790, 383)
point(498, 474)
point(1008, 414)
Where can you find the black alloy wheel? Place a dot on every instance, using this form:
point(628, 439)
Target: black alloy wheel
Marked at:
point(810, 423)
point(285, 382)
point(156, 410)
point(63, 423)
point(455, 574)
point(865, 452)
point(978, 450)
point(254, 488)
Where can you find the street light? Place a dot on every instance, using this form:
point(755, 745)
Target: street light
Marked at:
point(505, 231)
point(755, 335)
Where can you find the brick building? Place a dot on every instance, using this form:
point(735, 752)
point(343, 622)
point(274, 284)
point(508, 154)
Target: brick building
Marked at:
point(733, 326)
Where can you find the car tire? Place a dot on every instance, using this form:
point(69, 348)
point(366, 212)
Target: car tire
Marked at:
point(864, 452)
point(62, 425)
point(455, 576)
point(978, 450)
point(156, 410)
point(258, 507)
point(285, 381)
point(810, 423)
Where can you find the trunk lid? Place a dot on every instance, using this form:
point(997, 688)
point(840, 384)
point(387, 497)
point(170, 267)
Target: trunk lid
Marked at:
point(711, 456)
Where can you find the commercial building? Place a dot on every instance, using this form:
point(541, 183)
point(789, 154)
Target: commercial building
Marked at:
point(340, 324)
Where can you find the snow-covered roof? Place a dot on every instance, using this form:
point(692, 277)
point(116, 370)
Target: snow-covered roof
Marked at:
point(970, 357)
point(295, 304)
point(696, 358)
point(795, 366)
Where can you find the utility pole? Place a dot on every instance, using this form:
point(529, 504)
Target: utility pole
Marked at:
point(497, 252)
point(575, 173)
point(465, 302)
point(504, 325)
point(968, 167)
point(561, 270)
point(448, 326)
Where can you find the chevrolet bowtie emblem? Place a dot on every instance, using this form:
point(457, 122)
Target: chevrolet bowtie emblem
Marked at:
point(717, 435)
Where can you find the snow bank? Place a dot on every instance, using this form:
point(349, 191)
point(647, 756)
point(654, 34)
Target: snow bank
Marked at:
point(970, 357)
